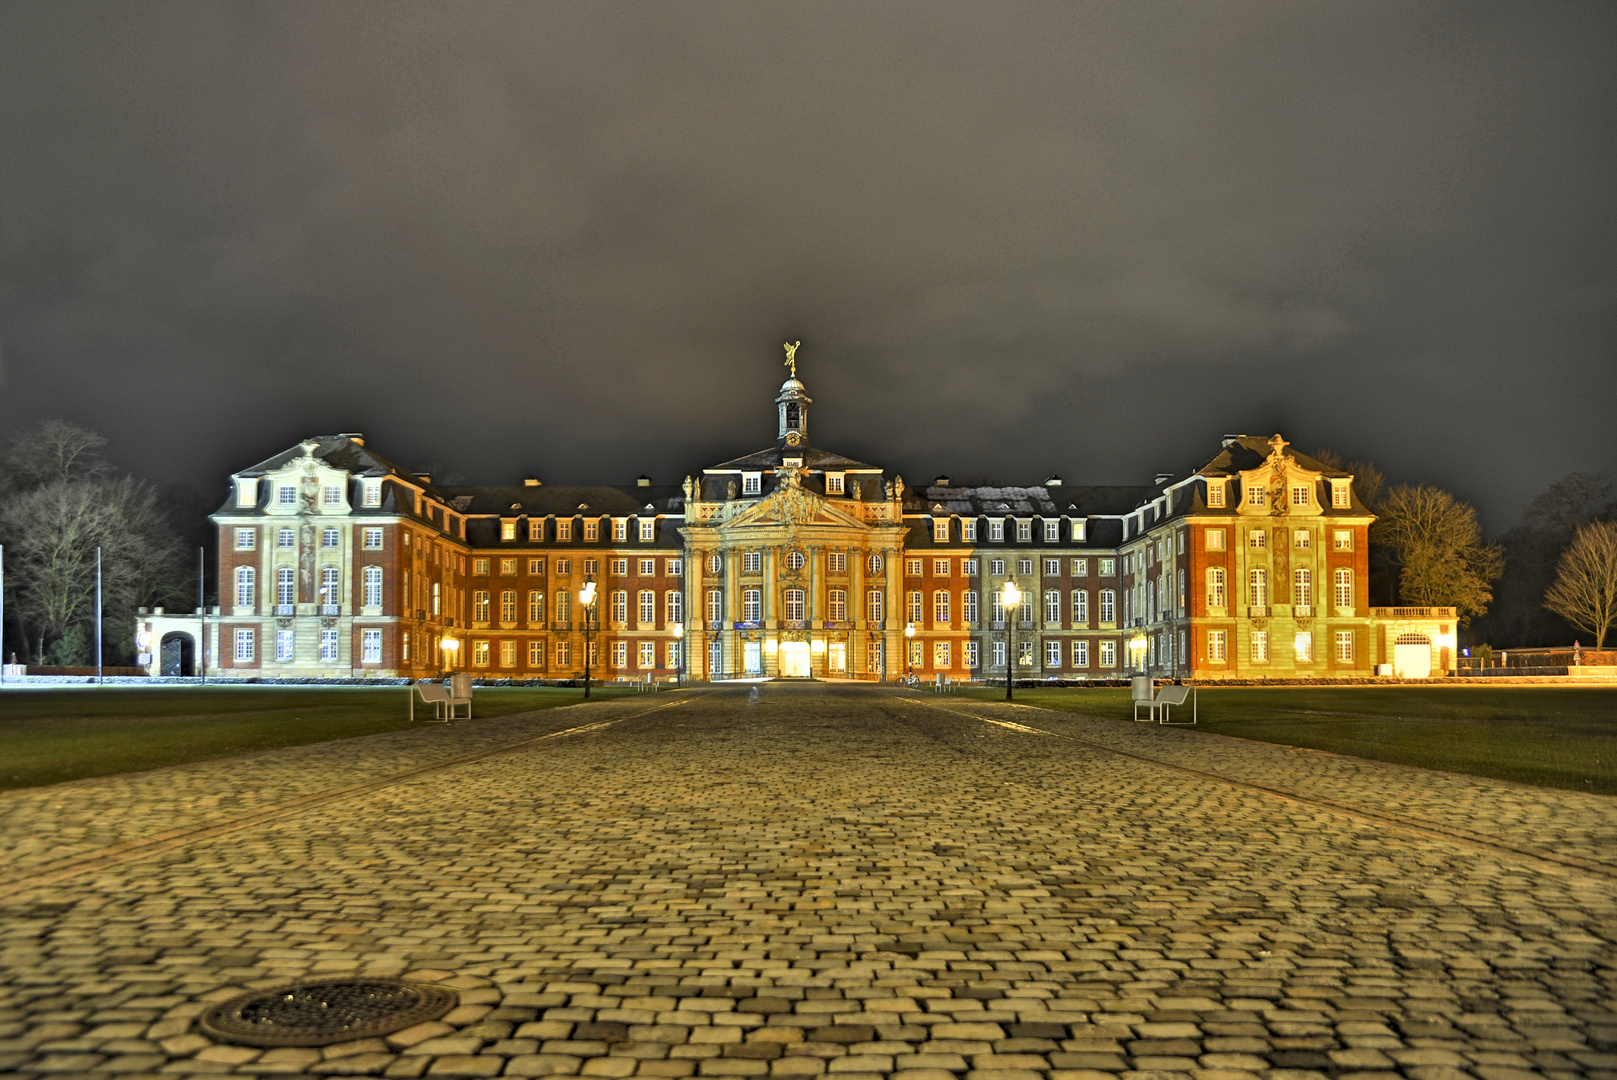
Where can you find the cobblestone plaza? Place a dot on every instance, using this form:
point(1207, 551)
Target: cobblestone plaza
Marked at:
point(794, 880)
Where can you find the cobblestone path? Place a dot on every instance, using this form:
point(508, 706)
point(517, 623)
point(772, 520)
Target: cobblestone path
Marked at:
point(799, 880)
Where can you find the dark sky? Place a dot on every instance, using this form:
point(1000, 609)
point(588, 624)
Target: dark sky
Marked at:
point(1014, 239)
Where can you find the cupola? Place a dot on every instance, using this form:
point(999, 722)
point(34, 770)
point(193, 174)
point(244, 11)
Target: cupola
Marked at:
point(793, 404)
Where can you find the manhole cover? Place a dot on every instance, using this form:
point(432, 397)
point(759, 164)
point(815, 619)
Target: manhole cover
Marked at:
point(325, 1011)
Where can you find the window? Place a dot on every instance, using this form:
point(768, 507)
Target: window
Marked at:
point(752, 483)
point(875, 564)
point(1215, 645)
point(536, 534)
point(373, 586)
point(647, 567)
point(1257, 538)
point(1080, 607)
point(1215, 587)
point(620, 654)
point(912, 606)
point(1257, 588)
point(1108, 606)
point(435, 597)
point(968, 567)
point(916, 648)
point(648, 530)
point(1080, 654)
point(1213, 539)
point(875, 606)
point(246, 646)
point(1052, 531)
point(1052, 606)
point(1304, 538)
point(508, 567)
point(619, 567)
point(480, 653)
point(480, 567)
point(996, 566)
point(968, 605)
point(1215, 493)
point(480, 606)
point(940, 530)
point(564, 531)
point(285, 587)
point(1108, 654)
point(564, 653)
point(940, 608)
point(1302, 585)
point(287, 494)
point(672, 652)
point(1305, 647)
point(996, 531)
point(1260, 646)
point(564, 606)
point(1342, 540)
point(1299, 495)
point(620, 606)
point(286, 538)
point(837, 562)
point(752, 562)
point(1052, 654)
point(715, 606)
point(536, 654)
point(674, 567)
point(246, 586)
point(592, 530)
point(1024, 566)
point(1344, 645)
point(246, 492)
point(370, 646)
point(648, 607)
point(563, 566)
point(940, 567)
point(837, 605)
point(536, 608)
point(1342, 588)
point(620, 529)
point(329, 538)
point(246, 539)
point(972, 657)
point(941, 658)
point(332, 495)
point(373, 540)
point(1024, 531)
point(999, 654)
point(912, 567)
point(1256, 496)
point(968, 530)
point(996, 607)
point(751, 605)
point(328, 646)
point(591, 567)
point(1078, 531)
point(1052, 567)
point(508, 607)
point(794, 605)
point(285, 643)
point(833, 483)
point(674, 606)
point(1108, 567)
point(1080, 568)
point(1024, 653)
point(648, 654)
point(1341, 498)
point(794, 560)
point(508, 530)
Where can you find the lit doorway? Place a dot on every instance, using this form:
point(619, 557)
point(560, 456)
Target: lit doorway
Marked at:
point(794, 659)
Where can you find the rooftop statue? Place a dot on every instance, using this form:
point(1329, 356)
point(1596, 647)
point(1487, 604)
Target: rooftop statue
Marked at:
point(791, 356)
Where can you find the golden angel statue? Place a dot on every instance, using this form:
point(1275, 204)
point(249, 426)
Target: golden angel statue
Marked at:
point(791, 356)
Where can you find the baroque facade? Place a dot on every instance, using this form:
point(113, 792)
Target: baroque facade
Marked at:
point(795, 562)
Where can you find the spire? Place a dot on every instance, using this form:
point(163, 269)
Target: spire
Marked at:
point(793, 403)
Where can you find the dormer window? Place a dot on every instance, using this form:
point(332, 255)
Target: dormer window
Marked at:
point(620, 529)
point(648, 530)
point(940, 530)
point(246, 492)
point(833, 483)
point(1341, 494)
point(1299, 495)
point(1078, 530)
point(1024, 531)
point(752, 483)
point(592, 530)
point(372, 493)
point(996, 531)
point(968, 530)
point(508, 530)
point(564, 529)
point(1215, 493)
point(536, 529)
point(1256, 496)
point(287, 495)
point(1052, 530)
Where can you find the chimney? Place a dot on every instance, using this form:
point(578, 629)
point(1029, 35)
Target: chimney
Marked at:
point(1162, 478)
point(642, 481)
point(942, 481)
point(425, 478)
point(1052, 481)
point(354, 437)
point(1228, 439)
point(531, 481)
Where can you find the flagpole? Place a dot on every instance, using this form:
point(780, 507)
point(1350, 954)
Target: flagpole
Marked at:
point(202, 614)
point(99, 676)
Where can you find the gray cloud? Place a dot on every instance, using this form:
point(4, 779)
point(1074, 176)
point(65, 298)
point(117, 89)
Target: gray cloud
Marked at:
point(1015, 238)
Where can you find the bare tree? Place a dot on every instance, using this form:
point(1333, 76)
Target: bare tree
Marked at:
point(1585, 589)
point(1367, 479)
point(57, 451)
point(1435, 539)
point(1570, 502)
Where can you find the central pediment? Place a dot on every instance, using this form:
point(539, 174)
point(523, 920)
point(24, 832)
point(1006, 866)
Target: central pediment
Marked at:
point(796, 506)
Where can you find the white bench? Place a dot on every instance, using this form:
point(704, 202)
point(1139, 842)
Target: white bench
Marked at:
point(1160, 700)
point(444, 699)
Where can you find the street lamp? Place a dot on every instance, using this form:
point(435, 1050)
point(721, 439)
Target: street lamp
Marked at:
point(679, 643)
point(909, 652)
point(586, 596)
point(1009, 597)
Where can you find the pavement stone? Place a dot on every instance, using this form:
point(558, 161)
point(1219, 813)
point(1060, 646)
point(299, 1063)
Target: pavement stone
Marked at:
point(814, 880)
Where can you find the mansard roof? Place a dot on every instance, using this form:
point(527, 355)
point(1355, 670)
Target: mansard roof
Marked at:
point(338, 451)
point(1243, 453)
point(774, 456)
point(562, 500)
point(1036, 501)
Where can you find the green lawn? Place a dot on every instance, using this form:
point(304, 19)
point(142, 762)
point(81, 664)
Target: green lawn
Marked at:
point(48, 736)
point(1552, 736)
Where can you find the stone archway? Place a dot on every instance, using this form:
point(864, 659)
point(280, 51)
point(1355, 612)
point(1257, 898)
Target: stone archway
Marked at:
point(177, 654)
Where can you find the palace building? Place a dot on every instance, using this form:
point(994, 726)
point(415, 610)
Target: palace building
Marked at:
point(795, 561)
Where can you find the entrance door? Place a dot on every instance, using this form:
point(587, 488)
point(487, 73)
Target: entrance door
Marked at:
point(837, 658)
point(751, 652)
point(1412, 656)
point(794, 659)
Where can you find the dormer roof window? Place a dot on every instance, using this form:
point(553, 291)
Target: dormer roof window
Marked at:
point(833, 483)
point(752, 483)
point(246, 491)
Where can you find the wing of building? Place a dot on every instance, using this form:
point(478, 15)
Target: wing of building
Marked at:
point(795, 561)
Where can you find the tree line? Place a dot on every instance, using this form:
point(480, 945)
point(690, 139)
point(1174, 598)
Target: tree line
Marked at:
point(60, 500)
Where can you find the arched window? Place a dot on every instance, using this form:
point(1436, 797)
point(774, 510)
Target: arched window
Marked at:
point(715, 605)
point(794, 605)
point(536, 612)
point(837, 605)
point(1258, 588)
point(674, 606)
point(620, 605)
point(875, 564)
point(648, 607)
point(1302, 585)
point(940, 608)
point(1215, 587)
point(1052, 606)
point(330, 592)
point(373, 586)
point(752, 606)
point(246, 586)
point(1343, 582)
point(285, 587)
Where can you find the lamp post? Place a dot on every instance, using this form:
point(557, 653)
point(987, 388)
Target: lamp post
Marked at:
point(1010, 596)
point(679, 643)
point(586, 596)
point(909, 652)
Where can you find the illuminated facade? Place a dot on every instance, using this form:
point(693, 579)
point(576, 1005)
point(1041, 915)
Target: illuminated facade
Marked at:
point(797, 562)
